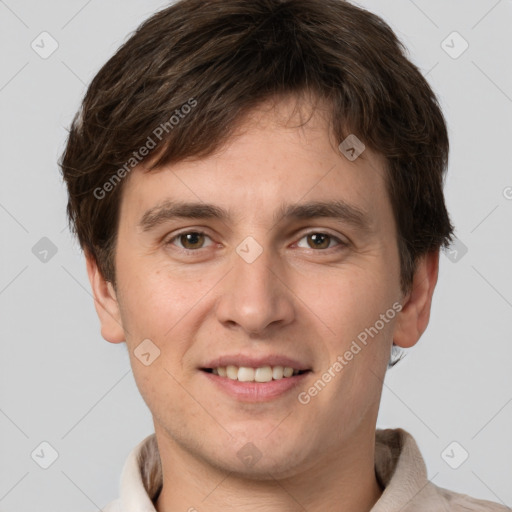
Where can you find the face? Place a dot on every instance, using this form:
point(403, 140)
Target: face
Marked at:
point(274, 256)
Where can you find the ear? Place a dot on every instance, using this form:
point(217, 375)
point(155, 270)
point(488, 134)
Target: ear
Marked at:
point(105, 302)
point(414, 316)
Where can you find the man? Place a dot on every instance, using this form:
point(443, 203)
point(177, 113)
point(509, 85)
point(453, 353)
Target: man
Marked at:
point(257, 187)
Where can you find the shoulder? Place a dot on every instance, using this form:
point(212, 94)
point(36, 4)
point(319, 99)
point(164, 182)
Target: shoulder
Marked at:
point(458, 502)
point(113, 506)
point(402, 472)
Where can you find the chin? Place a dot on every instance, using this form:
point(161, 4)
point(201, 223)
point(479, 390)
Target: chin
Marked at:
point(277, 466)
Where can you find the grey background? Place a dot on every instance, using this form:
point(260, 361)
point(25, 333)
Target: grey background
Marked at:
point(61, 383)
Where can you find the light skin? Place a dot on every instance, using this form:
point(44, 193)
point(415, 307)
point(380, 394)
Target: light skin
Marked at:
point(306, 296)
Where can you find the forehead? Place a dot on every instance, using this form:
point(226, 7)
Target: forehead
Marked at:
point(279, 154)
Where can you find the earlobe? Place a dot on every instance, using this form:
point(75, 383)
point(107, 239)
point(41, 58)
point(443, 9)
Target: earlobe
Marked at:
point(414, 316)
point(105, 302)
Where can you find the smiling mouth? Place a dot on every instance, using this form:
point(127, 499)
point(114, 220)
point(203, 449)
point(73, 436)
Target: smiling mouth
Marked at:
point(261, 374)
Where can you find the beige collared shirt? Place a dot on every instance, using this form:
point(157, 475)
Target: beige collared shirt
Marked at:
point(399, 467)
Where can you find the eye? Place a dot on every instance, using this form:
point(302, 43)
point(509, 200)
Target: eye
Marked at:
point(190, 240)
point(318, 240)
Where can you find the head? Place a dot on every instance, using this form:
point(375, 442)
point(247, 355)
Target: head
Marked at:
point(220, 218)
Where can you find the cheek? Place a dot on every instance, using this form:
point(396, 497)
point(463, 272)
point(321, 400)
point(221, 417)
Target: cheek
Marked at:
point(167, 307)
point(359, 351)
point(354, 298)
point(159, 387)
point(357, 306)
point(156, 300)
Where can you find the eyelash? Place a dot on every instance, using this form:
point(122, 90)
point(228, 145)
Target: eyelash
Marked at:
point(340, 243)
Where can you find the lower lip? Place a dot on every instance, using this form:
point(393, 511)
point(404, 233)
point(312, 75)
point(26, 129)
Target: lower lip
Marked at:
point(256, 391)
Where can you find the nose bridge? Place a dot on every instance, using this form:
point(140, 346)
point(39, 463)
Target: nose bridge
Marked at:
point(254, 297)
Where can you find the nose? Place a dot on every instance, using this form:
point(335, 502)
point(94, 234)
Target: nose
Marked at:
point(255, 296)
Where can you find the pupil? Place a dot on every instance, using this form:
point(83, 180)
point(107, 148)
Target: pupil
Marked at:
point(319, 240)
point(191, 239)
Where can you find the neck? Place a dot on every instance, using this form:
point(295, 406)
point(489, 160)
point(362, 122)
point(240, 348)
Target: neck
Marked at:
point(342, 480)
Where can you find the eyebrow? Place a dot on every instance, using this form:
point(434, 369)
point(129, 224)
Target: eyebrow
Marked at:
point(340, 210)
point(169, 210)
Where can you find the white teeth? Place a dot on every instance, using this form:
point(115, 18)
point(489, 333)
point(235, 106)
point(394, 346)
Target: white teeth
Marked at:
point(232, 372)
point(288, 372)
point(246, 374)
point(262, 374)
point(277, 372)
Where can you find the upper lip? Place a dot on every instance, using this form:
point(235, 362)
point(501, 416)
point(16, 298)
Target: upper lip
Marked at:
point(255, 362)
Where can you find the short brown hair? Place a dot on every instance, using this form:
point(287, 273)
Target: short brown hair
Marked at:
point(226, 57)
